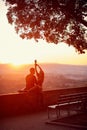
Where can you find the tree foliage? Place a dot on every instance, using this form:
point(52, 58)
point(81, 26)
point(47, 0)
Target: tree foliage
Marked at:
point(53, 20)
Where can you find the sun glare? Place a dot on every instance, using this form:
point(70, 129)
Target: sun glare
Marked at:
point(16, 64)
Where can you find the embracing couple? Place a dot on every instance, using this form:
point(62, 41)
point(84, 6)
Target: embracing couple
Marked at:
point(34, 79)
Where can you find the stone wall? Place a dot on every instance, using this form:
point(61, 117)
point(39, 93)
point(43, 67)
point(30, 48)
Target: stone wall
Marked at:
point(14, 104)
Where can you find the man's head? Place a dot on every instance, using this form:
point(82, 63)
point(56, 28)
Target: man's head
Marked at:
point(32, 70)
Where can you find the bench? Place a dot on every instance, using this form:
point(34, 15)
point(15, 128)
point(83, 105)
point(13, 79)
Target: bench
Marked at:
point(76, 102)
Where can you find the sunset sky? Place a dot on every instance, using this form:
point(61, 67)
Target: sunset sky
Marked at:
point(15, 50)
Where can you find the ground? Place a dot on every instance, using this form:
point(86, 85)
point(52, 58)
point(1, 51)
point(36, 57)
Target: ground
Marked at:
point(33, 121)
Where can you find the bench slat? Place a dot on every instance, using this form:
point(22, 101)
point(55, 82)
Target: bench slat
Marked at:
point(68, 100)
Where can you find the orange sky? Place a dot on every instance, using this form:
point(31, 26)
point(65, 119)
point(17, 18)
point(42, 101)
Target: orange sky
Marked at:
point(17, 51)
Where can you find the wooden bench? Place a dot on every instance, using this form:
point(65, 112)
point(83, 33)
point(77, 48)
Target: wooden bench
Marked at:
point(76, 102)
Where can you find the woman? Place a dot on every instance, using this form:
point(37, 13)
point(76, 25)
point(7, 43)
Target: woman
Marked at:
point(39, 74)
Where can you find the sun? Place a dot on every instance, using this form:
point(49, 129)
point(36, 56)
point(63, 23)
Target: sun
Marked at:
point(17, 64)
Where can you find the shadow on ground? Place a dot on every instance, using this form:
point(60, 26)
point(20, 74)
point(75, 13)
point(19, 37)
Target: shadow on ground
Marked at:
point(78, 121)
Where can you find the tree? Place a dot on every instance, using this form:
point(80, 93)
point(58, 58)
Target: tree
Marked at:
point(53, 20)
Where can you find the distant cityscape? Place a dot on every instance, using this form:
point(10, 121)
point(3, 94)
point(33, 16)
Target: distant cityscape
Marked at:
point(57, 76)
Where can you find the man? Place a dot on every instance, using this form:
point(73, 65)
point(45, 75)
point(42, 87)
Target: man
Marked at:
point(31, 81)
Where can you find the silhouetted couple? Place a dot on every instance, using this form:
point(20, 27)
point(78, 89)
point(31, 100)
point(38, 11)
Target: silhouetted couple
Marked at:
point(34, 79)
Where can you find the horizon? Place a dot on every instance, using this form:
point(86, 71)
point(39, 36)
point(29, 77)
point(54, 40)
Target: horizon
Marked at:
point(42, 63)
point(14, 66)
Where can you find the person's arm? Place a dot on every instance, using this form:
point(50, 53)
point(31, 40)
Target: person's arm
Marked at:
point(39, 67)
point(40, 70)
point(36, 67)
point(37, 73)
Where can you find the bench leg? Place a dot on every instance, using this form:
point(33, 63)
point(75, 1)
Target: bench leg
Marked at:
point(57, 113)
point(56, 110)
point(48, 111)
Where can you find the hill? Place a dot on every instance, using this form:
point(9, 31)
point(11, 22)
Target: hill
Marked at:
point(57, 76)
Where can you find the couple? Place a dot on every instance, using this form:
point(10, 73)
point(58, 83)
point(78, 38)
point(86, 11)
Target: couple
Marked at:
point(34, 83)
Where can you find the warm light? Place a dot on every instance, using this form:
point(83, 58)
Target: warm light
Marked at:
point(16, 64)
point(16, 51)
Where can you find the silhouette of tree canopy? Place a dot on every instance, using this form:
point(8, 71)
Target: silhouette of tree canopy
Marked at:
point(53, 20)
